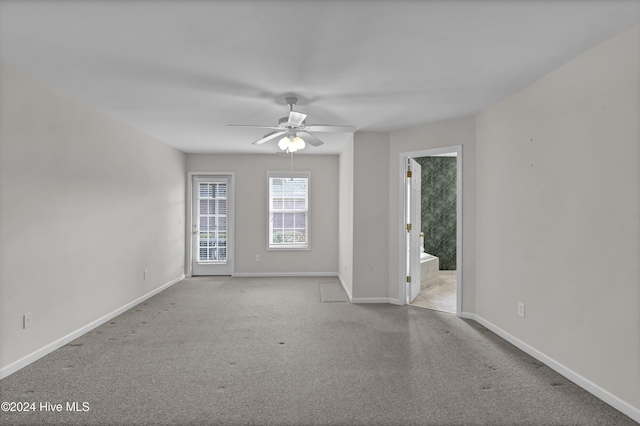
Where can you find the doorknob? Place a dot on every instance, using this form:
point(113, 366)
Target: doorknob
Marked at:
point(195, 230)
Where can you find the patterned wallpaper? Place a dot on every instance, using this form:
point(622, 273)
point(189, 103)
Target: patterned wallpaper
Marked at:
point(439, 208)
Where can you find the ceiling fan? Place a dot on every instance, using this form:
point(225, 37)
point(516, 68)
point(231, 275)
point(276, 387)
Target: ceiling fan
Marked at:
point(291, 129)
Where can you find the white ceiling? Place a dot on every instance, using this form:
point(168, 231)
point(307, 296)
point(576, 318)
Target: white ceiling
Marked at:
point(182, 70)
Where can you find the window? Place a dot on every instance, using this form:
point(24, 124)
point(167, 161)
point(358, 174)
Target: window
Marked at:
point(288, 210)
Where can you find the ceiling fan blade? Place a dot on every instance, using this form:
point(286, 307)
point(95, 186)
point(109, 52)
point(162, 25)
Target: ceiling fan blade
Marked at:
point(269, 136)
point(296, 118)
point(255, 126)
point(330, 128)
point(311, 139)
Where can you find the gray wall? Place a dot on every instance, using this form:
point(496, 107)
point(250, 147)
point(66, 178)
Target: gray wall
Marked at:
point(551, 212)
point(345, 220)
point(558, 214)
point(377, 205)
point(460, 131)
point(251, 211)
point(87, 204)
point(371, 215)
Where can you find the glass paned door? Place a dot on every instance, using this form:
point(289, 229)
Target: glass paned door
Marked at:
point(211, 234)
point(212, 220)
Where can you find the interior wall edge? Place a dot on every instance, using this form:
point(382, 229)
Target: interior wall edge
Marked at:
point(345, 287)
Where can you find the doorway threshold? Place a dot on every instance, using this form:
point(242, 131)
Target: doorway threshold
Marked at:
point(440, 296)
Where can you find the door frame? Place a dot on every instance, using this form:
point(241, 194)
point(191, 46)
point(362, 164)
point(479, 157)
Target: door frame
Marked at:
point(230, 219)
point(402, 254)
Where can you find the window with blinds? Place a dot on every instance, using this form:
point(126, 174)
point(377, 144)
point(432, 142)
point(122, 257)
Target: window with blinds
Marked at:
point(288, 210)
point(212, 221)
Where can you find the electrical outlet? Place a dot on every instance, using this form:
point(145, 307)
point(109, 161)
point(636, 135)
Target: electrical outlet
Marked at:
point(27, 319)
point(521, 309)
point(257, 258)
point(145, 274)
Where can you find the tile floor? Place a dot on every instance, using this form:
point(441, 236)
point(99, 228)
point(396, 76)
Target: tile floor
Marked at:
point(440, 297)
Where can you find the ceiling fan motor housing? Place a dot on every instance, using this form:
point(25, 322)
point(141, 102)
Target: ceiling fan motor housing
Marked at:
point(284, 122)
point(291, 101)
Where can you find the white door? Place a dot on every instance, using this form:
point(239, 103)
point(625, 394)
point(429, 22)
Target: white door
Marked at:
point(211, 225)
point(414, 208)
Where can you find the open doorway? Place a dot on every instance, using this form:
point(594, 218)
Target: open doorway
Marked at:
point(438, 264)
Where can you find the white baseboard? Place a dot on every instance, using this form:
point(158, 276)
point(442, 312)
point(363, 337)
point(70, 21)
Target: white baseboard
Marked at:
point(363, 300)
point(371, 300)
point(346, 289)
point(606, 396)
point(47, 349)
point(283, 274)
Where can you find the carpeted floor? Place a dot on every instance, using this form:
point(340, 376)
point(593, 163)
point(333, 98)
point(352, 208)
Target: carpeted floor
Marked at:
point(233, 351)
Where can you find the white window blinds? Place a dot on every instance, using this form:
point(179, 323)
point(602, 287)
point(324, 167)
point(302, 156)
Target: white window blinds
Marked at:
point(212, 221)
point(288, 210)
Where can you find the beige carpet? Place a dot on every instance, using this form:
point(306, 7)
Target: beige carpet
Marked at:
point(332, 292)
point(268, 352)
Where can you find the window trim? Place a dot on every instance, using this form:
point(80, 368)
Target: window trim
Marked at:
point(288, 247)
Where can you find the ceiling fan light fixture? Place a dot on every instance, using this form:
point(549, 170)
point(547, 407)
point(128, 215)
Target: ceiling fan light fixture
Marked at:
point(284, 143)
point(291, 143)
point(298, 142)
point(289, 127)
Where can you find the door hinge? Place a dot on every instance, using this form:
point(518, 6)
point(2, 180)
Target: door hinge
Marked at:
point(409, 174)
point(408, 278)
point(408, 227)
